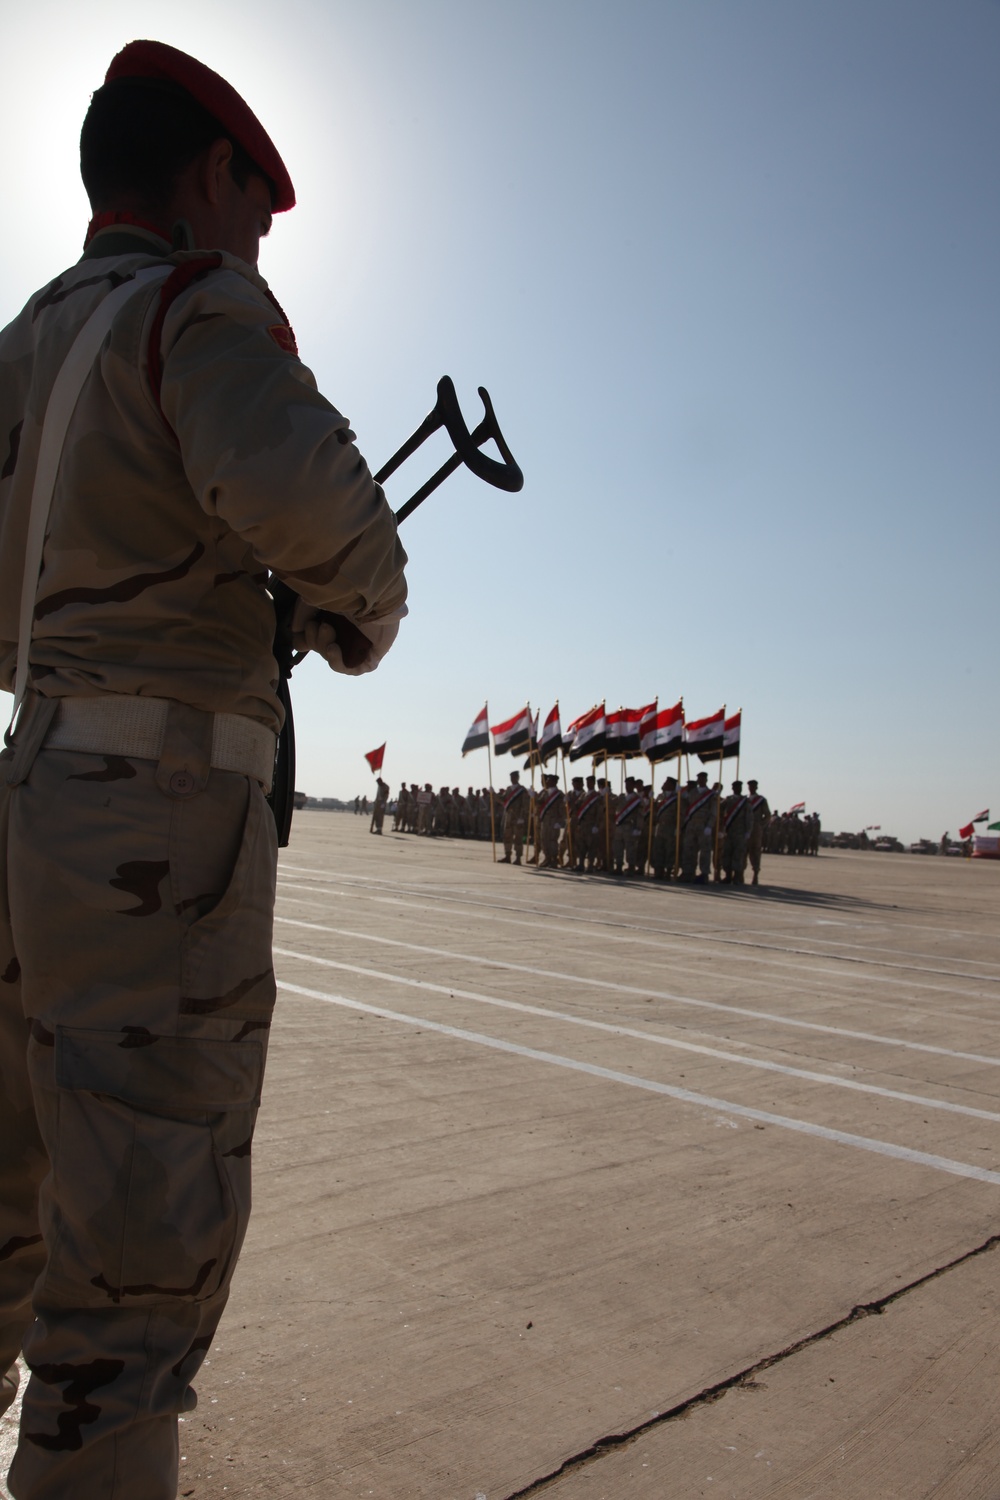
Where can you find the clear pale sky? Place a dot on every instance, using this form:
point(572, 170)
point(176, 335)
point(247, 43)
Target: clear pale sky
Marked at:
point(729, 269)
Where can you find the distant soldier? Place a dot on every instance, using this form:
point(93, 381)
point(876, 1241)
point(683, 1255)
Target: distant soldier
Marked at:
point(737, 823)
point(626, 807)
point(425, 809)
point(665, 830)
point(761, 817)
point(698, 830)
point(550, 812)
point(567, 844)
point(442, 811)
point(488, 816)
point(605, 823)
point(378, 810)
point(637, 837)
point(516, 802)
point(402, 806)
point(585, 826)
point(456, 814)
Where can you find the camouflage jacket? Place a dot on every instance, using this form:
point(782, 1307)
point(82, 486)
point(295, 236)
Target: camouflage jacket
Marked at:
point(200, 454)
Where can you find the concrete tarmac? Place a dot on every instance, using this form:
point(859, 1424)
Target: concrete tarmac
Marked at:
point(596, 1188)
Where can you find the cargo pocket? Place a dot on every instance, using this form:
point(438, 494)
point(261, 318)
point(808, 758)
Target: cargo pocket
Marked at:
point(149, 1193)
point(226, 965)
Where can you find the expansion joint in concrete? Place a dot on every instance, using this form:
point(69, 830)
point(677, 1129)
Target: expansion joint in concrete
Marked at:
point(745, 1379)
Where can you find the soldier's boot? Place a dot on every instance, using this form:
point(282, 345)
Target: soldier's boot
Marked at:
point(505, 860)
point(756, 878)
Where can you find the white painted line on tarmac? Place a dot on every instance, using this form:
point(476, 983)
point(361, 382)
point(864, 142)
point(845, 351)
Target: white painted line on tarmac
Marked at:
point(616, 1029)
point(673, 947)
point(645, 992)
point(670, 1091)
point(704, 935)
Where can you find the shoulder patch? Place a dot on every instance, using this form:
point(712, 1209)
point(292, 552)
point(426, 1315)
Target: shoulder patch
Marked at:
point(284, 338)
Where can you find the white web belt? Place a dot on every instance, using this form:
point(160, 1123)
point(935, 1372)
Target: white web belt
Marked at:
point(115, 724)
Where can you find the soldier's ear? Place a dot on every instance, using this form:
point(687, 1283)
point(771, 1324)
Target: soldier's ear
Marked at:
point(214, 168)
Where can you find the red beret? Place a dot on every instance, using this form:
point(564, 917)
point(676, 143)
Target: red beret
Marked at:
point(157, 60)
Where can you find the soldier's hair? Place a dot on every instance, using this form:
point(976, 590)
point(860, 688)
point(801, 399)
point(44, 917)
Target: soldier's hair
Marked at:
point(138, 136)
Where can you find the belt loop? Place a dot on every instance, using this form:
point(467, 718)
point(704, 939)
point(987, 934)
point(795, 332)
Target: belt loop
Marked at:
point(37, 714)
point(186, 758)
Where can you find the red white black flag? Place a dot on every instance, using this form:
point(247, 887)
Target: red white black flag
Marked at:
point(663, 732)
point(624, 730)
point(587, 735)
point(478, 736)
point(731, 735)
point(375, 758)
point(552, 738)
point(798, 807)
point(513, 735)
point(705, 737)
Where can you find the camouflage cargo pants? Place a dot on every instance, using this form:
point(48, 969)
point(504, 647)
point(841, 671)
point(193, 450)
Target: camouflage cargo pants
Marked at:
point(514, 832)
point(734, 854)
point(136, 995)
point(755, 847)
point(696, 847)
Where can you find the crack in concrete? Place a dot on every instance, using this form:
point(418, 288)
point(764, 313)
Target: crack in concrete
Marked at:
point(744, 1378)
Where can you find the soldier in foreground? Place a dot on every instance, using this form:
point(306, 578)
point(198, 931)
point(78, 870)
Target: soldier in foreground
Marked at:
point(516, 803)
point(737, 823)
point(378, 810)
point(137, 839)
point(761, 814)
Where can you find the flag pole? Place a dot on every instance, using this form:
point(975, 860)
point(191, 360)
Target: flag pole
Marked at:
point(738, 743)
point(569, 817)
point(652, 802)
point(532, 837)
point(607, 813)
point(677, 841)
point(489, 762)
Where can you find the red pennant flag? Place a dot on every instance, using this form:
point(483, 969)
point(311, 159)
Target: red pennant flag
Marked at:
point(375, 758)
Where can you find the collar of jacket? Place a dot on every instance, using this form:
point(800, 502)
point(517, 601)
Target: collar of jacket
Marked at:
point(125, 239)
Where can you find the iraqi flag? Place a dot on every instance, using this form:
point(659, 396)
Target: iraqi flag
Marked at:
point(589, 734)
point(983, 817)
point(731, 735)
point(625, 730)
point(513, 735)
point(551, 739)
point(478, 736)
point(798, 807)
point(705, 737)
point(663, 732)
point(375, 758)
point(613, 727)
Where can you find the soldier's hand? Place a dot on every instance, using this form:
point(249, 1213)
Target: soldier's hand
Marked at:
point(345, 645)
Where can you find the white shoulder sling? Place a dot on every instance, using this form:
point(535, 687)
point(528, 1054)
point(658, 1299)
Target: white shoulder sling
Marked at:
point(62, 403)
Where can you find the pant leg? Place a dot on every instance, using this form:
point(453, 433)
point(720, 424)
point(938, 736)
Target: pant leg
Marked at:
point(23, 1161)
point(142, 925)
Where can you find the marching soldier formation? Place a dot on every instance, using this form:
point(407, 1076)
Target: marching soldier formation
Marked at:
point(693, 834)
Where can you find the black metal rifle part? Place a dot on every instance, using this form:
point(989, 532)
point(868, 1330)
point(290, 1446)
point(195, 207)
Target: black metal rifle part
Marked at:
point(354, 644)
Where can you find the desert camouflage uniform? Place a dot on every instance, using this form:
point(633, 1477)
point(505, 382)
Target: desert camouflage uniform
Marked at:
point(665, 834)
point(627, 821)
point(697, 832)
point(516, 803)
point(737, 823)
point(135, 911)
point(761, 817)
point(550, 812)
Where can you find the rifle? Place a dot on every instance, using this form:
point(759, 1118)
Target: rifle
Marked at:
point(354, 644)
